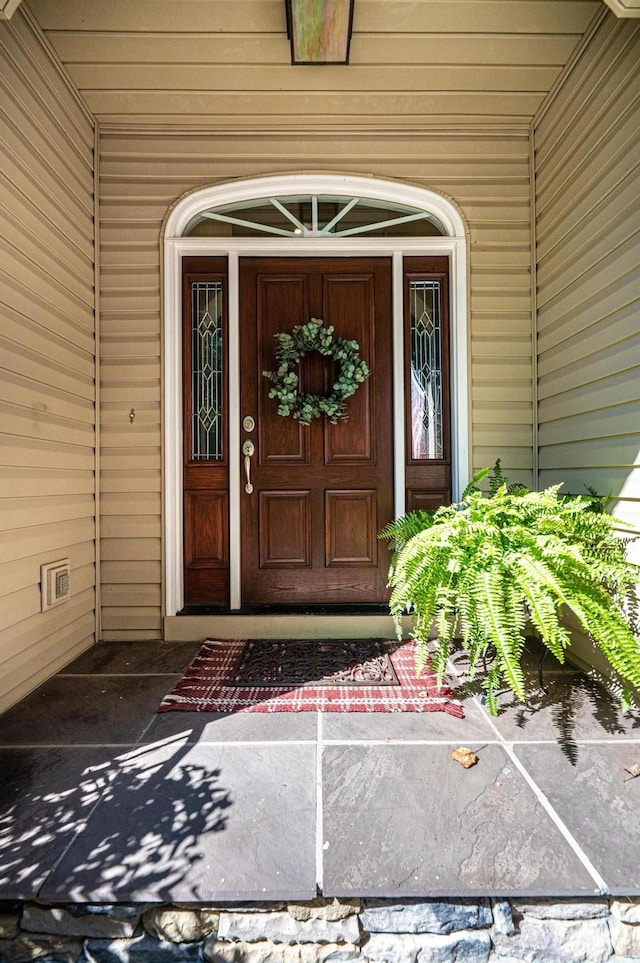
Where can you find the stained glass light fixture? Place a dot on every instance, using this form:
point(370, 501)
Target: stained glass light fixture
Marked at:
point(319, 30)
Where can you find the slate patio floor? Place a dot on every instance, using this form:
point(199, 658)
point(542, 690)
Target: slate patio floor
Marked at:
point(102, 800)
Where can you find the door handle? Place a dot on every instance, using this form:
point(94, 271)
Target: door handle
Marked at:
point(248, 449)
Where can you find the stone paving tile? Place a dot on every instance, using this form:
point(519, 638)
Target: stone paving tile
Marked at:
point(184, 823)
point(188, 814)
point(134, 657)
point(553, 674)
point(586, 786)
point(572, 709)
point(233, 727)
point(76, 710)
point(403, 726)
point(532, 655)
point(45, 797)
point(407, 821)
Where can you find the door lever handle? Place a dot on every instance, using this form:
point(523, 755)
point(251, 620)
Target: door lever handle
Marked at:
point(248, 449)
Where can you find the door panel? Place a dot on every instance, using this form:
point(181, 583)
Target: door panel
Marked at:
point(351, 524)
point(206, 513)
point(322, 491)
point(288, 545)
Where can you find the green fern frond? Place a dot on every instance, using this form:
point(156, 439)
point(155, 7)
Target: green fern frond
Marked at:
point(544, 612)
point(422, 656)
point(495, 617)
point(480, 568)
point(473, 484)
point(542, 574)
point(491, 686)
point(496, 479)
point(611, 633)
point(440, 659)
point(402, 529)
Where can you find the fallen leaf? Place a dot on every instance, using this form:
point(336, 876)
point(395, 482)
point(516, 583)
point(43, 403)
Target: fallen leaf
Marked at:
point(464, 756)
point(634, 771)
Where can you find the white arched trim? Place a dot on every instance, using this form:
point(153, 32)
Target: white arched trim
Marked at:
point(376, 190)
point(454, 244)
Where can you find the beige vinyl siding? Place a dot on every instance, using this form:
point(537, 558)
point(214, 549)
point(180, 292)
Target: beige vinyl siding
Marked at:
point(142, 175)
point(47, 361)
point(588, 271)
point(412, 62)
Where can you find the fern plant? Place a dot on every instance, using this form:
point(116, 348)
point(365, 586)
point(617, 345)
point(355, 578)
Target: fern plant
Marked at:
point(482, 568)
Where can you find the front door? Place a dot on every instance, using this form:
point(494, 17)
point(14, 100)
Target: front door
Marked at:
point(319, 493)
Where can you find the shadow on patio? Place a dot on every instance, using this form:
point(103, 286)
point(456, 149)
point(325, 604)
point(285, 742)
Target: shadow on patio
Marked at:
point(103, 800)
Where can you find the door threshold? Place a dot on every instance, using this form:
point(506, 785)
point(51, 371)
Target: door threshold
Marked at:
point(284, 625)
point(203, 608)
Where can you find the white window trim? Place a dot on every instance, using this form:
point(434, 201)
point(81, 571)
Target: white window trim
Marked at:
point(176, 247)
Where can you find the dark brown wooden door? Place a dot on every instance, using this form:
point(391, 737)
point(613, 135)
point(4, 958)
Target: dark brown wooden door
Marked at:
point(322, 492)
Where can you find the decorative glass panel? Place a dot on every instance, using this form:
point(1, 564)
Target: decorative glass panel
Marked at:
point(207, 371)
point(426, 370)
point(314, 215)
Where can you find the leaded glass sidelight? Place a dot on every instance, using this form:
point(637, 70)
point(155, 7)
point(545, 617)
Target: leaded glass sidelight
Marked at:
point(207, 415)
point(427, 440)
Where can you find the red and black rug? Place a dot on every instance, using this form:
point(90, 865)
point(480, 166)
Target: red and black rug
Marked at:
point(308, 675)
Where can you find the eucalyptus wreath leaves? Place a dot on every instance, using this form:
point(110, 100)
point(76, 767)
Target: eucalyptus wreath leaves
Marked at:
point(304, 407)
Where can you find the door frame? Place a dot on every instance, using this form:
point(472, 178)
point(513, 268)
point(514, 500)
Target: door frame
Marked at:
point(176, 247)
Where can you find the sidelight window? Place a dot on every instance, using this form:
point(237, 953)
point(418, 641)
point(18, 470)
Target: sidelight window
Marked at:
point(426, 370)
point(426, 380)
point(207, 352)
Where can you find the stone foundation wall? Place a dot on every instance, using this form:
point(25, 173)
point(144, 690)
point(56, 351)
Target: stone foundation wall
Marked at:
point(326, 931)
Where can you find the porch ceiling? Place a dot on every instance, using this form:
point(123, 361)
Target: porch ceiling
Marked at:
point(227, 62)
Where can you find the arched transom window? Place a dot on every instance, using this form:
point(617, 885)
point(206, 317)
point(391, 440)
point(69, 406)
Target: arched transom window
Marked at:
point(314, 215)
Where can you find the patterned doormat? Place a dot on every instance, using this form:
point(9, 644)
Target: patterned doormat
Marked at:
point(295, 675)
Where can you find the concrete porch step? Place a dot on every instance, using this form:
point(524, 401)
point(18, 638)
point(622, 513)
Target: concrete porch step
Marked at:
point(182, 628)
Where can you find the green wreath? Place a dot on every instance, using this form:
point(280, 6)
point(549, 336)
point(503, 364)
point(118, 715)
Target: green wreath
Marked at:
point(313, 336)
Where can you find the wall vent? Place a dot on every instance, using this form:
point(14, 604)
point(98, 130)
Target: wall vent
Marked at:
point(54, 583)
